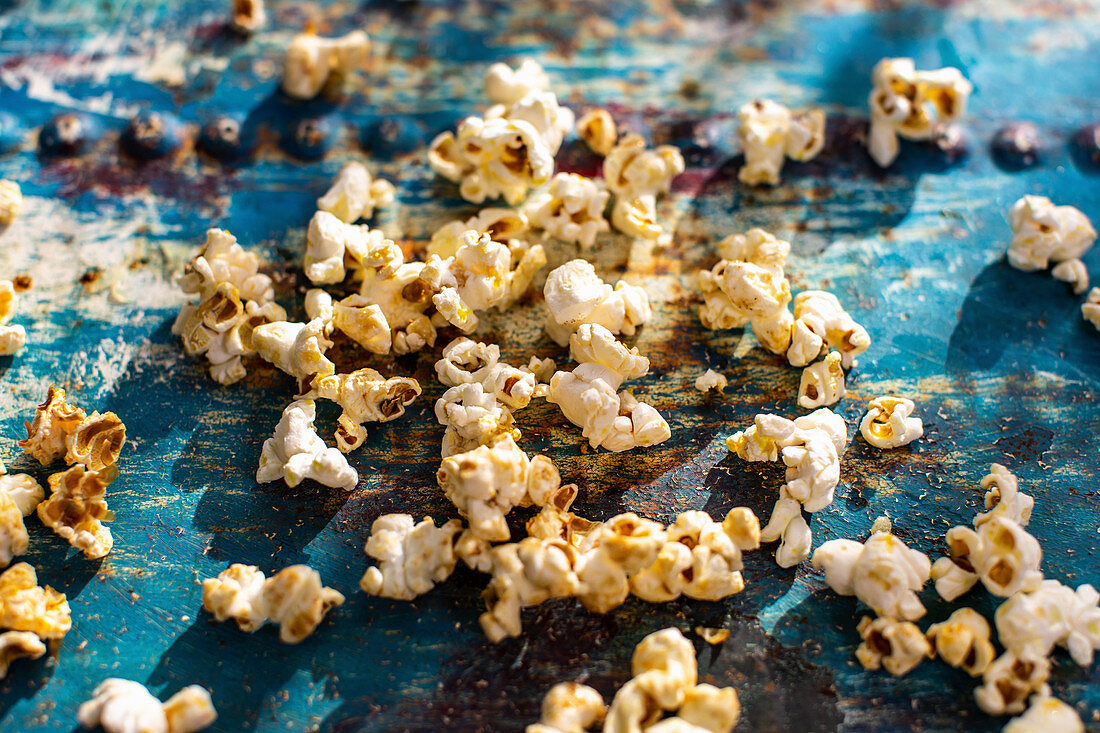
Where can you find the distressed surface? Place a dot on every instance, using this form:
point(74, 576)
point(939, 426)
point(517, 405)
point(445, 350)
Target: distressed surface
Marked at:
point(999, 361)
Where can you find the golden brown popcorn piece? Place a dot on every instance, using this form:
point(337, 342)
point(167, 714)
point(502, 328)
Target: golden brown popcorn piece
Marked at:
point(569, 707)
point(13, 533)
point(96, 442)
point(597, 128)
point(1010, 680)
point(366, 396)
point(77, 508)
point(18, 645)
point(235, 594)
point(898, 646)
point(24, 606)
point(53, 421)
point(711, 635)
point(963, 641)
point(295, 599)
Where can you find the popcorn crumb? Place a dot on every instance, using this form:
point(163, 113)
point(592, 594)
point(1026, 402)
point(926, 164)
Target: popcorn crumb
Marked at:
point(711, 380)
point(712, 636)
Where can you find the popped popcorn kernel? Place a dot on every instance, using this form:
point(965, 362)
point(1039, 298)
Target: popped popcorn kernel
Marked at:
point(770, 133)
point(962, 641)
point(493, 158)
point(18, 645)
point(355, 195)
point(412, 557)
point(1046, 714)
point(890, 423)
point(711, 380)
point(235, 594)
point(897, 646)
point(473, 417)
point(821, 323)
point(76, 509)
point(1032, 623)
point(295, 348)
point(466, 361)
point(54, 420)
point(12, 338)
point(1074, 273)
point(524, 574)
point(1090, 309)
point(1009, 681)
point(365, 396)
point(999, 552)
point(247, 16)
point(1045, 234)
point(502, 225)
point(96, 441)
point(631, 170)
point(569, 707)
point(576, 295)
point(13, 533)
point(25, 606)
point(11, 201)
point(571, 209)
point(1003, 497)
point(365, 323)
point(295, 452)
point(597, 128)
point(190, 710)
point(313, 62)
point(123, 706)
point(334, 246)
point(637, 217)
point(22, 489)
point(822, 383)
point(505, 85)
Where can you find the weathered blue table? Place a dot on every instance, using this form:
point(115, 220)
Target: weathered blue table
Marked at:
point(1000, 362)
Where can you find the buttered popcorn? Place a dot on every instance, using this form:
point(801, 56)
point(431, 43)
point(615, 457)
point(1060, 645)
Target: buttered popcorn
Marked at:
point(12, 338)
point(1044, 234)
point(502, 225)
point(1046, 714)
point(293, 598)
point(355, 194)
point(637, 176)
point(295, 452)
point(412, 556)
point(295, 348)
point(314, 62)
point(76, 509)
point(1010, 680)
point(365, 396)
point(18, 645)
point(576, 295)
point(333, 247)
point(26, 606)
point(1032, 623)
point(465, 361)
point(569, 707)
point(770, 133)
point(61, 430)
point(11, 201)
point(890, 423)
point(597, 128)
point(821, 323)
point(1090, 309)
point(588, 395)
point(822, 383)
point(571, 209)
point(896, 646)
point(915, 105)
point(123, 706)
point(962, 641)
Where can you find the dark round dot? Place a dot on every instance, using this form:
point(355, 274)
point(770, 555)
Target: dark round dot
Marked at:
point(1017, 145)
point(69, 133)
point(1086, 144)
point(309, 138)
point(150, 135)
point(223, 139)
point(393, 135)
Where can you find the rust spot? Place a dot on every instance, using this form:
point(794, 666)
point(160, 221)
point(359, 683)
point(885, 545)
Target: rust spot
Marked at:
point(22, 282)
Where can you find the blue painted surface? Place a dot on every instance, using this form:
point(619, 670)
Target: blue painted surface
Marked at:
point(999, 361)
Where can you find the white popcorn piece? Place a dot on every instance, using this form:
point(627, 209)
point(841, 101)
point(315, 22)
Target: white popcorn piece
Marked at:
point(124, 706)
point(1074, 273)
point(247, 16)
point(1045, 234)
point(364, 323)
point(18, 645)
point(576, 295)
point(318, 304)
point(915, 105)
point(1010, 680)
point(333, 246)
point(963, 641)
point(542, 369)
point(587, 395)
point(883, 573)
point(365, 396)
point(821, 323)
point(465, 361)
point(504, 85)
point(295, 452)
point(711, 380)
point(13, 533)
point(481, 274)
point(822, 383)
point(569, 707)
point(223, 260)
point(190, 710)
point(524, 574)
point(77, 509)
point(1031, 623)
point(555, 521)
point(637, 217)
point(502, 225)
point(473, 417)
point(631, 170)
point(897, 646)
point(597, 128)
point(23, 490)
point(571, 209)
point(355, 195)
point(620, 547)
point(235, 594)
point(542, 111)
point(1000, 553)
point(26, 606)
point(492, 158)
point(1046, 714)
point(412, 557)
point(313, 62)
point(295, 348)
point(889, 423)
point(11, 201)
point(1003, 498)
point(1090, 309)
point(12, 338)
point(770, 133)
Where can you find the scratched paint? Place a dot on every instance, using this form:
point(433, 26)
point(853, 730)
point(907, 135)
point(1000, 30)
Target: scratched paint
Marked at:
point(999, 361)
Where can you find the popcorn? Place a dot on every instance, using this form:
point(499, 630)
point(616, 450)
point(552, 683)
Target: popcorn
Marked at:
point(293, 598)
point(296, 453)
point(637, 217)
point(318, 304)
point(1046, 714)
point(524, 574)
point(333, 246)
point(1003, 498)
point(77, 508)
point(504, 85)
point(12, 338)
point(25, 606)
point(473, 417)
point(1074, 273)
point(295, 348)
point(18, 645)
point(1000, 553)
point(576, 295)
point(915, 105)
point(23, 490)
point(597, 129)
point(502, 225)
point(541, 110)
point(711, 380)
point(1090, 309)
point(313, 62)
point(1043, 233)
point(571, 209)
point(1031, 623)
point(883, 573)
point(587, 395)
point(962, 641)
point(11, 201)
point(630, 170)
point(354, 195)
point(247, 16)
point(487, 482)
point(822, 383)
point(13, 533)
point(770, 133)
point(412, 558)
point(555, 522)
point(821, 323)
point(96, 441)
point(569, 707)
point(365, 324)
point(123, 706)
point(465, 361)
point(897, 646)
point(889, 423)
point(620, 547)
point(491, 158)
point(54, 420)
point(1010, 680)
point(365, 396)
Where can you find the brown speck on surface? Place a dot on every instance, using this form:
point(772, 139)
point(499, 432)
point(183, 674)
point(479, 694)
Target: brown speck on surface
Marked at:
point(90, 276)
point(22, 282)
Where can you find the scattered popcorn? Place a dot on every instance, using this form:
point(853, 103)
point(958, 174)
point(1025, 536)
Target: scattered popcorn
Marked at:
point(1090, 309)
point(571, 209)
point(293, 598)
point(465, 361)
point(25, 606)
point(412, 558)
point(18, 645)
point(897, 646)
point(597, 129)
point(915, 105)
point(523, 95)
point(711, 380)
point(333, 246)
point(54, 420)
point(354, 195)
point(1074, 273)
point(1003, 498)
point(504, 85)
point(554, 521)
point(637, 217)
point(77, 508)
point(123, 706)
point(524, 574)
point(569, 707)
point(365, 396)
point(11, 201)
point(1044, 715)
point(502, 225)
point(820, 323)
point(576, 295)
point(1031, 623)
point(962, 641)
point(295, 348)
point(23, 490)
point(631, 170)
point(822, 383)
point(248, 16)
point(1000, 553)
point(770, 133)
point(587, 395)
point(12, 338)
point(883, 573)
point(313, 62)
point(889, 423)
point(473, 417)
point(1009, 681)
point(1043, 233)
point(96, 441)
point(493, 158)
point(296, 452)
